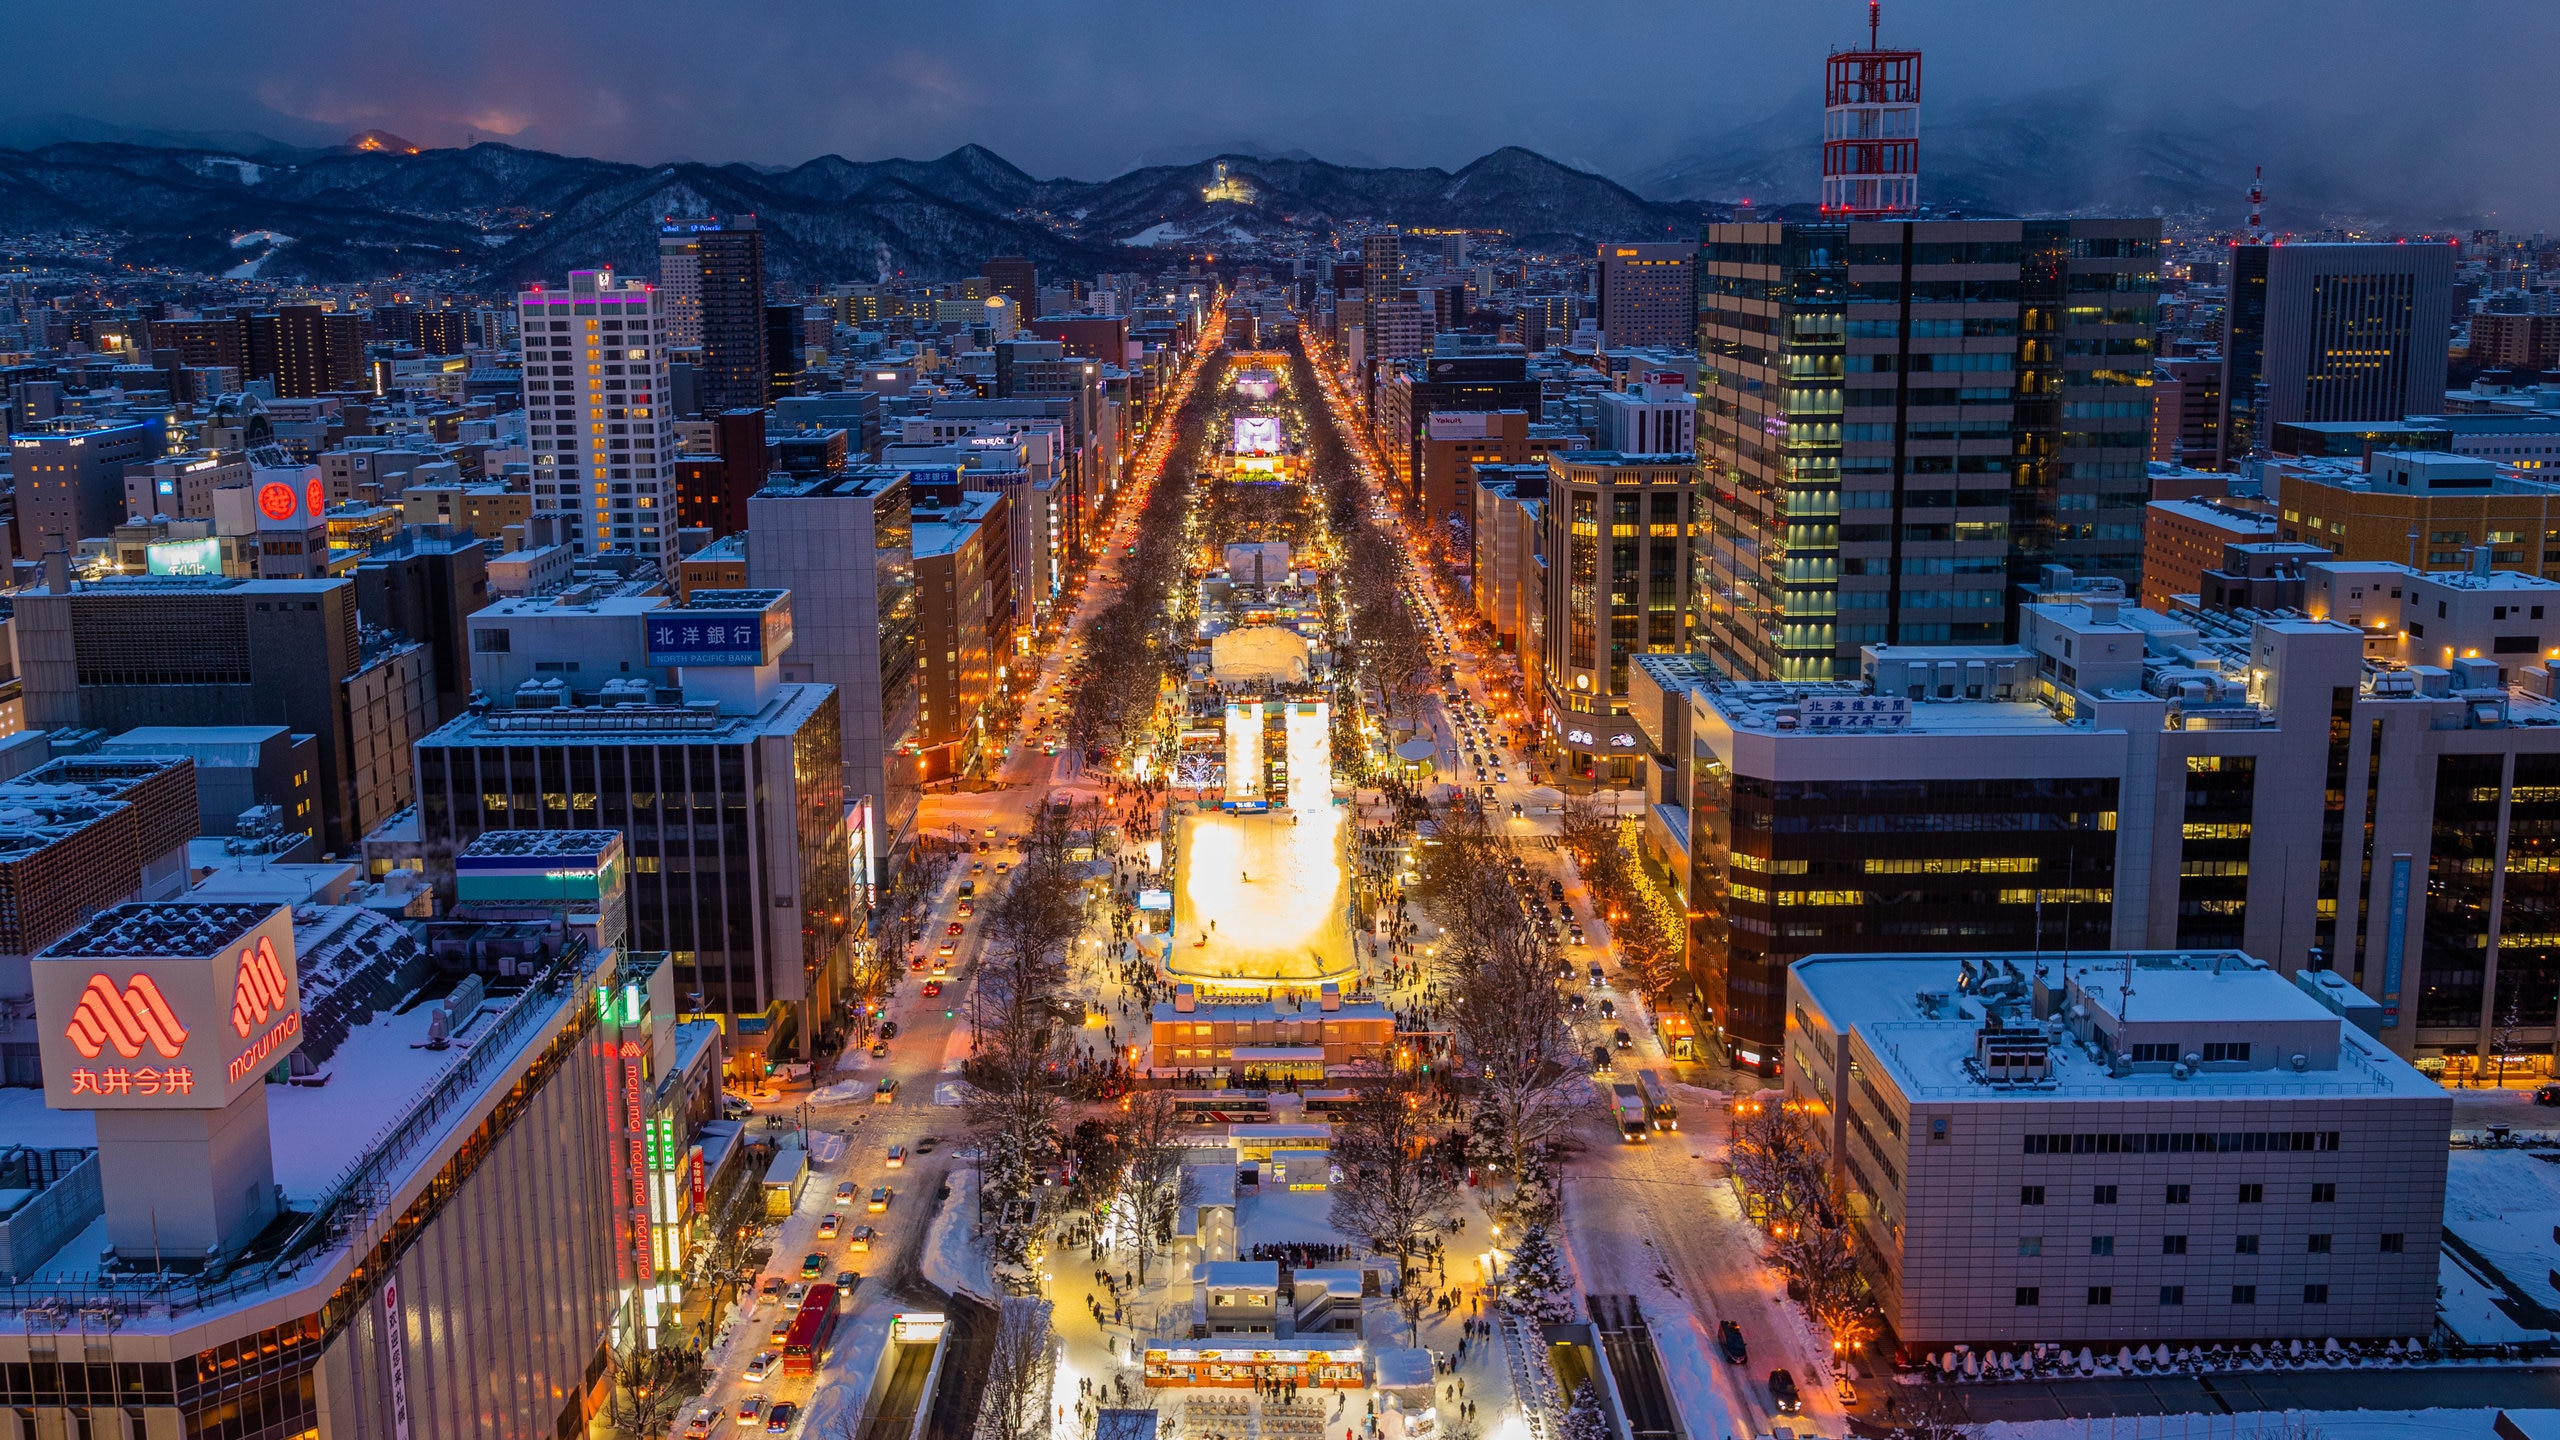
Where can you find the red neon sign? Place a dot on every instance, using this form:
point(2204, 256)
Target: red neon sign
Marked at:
point(125, 1020)
point(319, 498)
point(260, 991)
point(276, 499)
point(267, 1044)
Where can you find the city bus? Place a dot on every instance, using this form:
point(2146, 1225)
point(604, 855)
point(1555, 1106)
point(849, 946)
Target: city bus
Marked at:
point(1329, 1103)
point(1657, 1100)
point(1222, 1107)
point(806, 1343)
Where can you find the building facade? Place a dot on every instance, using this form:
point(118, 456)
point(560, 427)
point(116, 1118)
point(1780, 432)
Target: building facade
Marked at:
point(1618, 531)
point(602, 436)
point(2121, 1148)
point(1901, 421)
point(1649, 295)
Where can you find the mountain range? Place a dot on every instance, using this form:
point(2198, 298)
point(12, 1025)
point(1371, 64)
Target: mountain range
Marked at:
point(493, 214)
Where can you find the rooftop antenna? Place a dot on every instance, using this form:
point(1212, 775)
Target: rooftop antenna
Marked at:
point(2257, 204)
point(1873, 20)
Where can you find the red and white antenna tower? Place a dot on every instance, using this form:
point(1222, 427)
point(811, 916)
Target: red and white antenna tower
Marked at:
point(1871, 128)
point(2257, 205)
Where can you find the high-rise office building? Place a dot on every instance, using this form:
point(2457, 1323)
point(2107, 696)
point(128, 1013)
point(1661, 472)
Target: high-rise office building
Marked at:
point(1617, 551)
point(732, 802)
point(71, 480)
point(1017, 279)
point(316, 351)
point(1382, 264)
point(603, 443)
point(1649, 295)
point(680, 280)
point(843, 544)
point(2333, 332)
point(208, 650)
point(734, 369)
point(1901, 421)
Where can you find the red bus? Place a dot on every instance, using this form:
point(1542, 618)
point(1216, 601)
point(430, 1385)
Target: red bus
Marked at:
point(811, 1330)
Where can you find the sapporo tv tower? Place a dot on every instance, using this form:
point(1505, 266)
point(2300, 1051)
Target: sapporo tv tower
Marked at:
point(1871, 130)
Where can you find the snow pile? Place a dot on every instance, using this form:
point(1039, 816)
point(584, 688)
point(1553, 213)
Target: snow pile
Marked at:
point(953, 1260)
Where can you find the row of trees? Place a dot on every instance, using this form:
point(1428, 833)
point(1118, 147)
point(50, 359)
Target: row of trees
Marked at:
point(1134, 641)
point(1776, 1156)
point(1646, 926)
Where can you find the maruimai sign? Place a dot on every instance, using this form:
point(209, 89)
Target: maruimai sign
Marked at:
point(129, 1031)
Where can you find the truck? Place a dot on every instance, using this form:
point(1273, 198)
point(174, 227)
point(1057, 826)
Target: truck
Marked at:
point(1628, 1102)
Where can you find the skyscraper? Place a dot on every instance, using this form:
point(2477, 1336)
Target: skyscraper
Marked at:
point(680, 280)
point(603, 444)
point(2333, 332)
point(1649, 295)
point(1016, 279)
point(1990, 417)
point(1382, 264)
point(734, 370)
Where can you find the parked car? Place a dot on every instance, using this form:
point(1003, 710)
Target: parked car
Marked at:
point(1782, 1394)
point(1729, 1340)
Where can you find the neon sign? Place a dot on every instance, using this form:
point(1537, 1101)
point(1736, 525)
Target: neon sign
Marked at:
point(259, 992)
point(275, 499)
point(125, 1020)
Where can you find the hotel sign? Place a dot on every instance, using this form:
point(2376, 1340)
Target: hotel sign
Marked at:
point(167, 1033)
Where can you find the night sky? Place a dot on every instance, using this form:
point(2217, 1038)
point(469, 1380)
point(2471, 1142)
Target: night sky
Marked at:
point(2452, 94)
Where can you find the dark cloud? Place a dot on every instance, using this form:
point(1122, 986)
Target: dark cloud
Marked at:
point(2451, 94)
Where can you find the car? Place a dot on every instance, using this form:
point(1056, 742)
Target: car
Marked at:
point(1597, 978)
point(977, 867)
point(1623, 1040)
point(1608, 1009)
point(828, 1225)
point(1600, 1057)
point(1003, 865)
point(750, 1408)
point(779, 1422)
point(1555, 890)
point(1782, 1394)
point(1729, 1340)
point(736, 1107)
point(704, 1421)
point(813, 1265)
point(773, 1283)
point(968, 888)
point(897, 1157)
point(916, 964)
point(879, 1201)
point(863, 1235)
point(946, 950)
point(760, 1367)
point(888, 1029)
point(887, 1092)
point(845, 1281)
point(879, 1049)
point(932, 988)
point(844, 1192)
point(2547, 1095)
point(781, 1330)
point(967, 909)
point(954, 929)
point(798, 1292)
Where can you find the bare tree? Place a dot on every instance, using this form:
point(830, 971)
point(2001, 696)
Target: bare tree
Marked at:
point(1394, 1192)
point(1151, 1188)
point(1778, 1159)
point(651, 1386)
point(1022, 1371)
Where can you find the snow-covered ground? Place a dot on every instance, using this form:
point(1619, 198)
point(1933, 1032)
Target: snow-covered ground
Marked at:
point(2269, 1425)
point(951, 1260)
